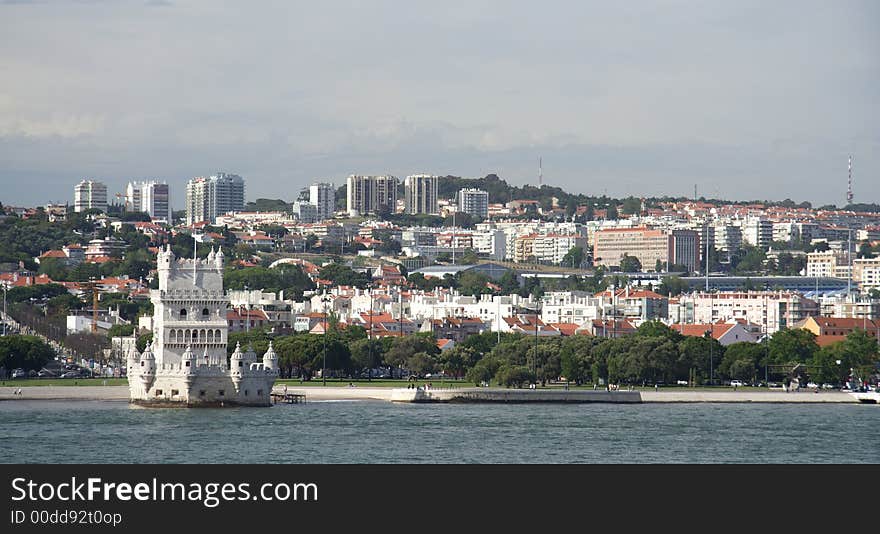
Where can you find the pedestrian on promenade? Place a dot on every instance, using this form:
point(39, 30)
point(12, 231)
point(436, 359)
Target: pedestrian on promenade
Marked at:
point(656, 387)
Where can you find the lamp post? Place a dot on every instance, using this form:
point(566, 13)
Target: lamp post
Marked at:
point(325, 299)
point(370, 336)
point(5, 289)
point(535, 359)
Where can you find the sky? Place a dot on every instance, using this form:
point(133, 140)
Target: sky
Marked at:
point(746, 99)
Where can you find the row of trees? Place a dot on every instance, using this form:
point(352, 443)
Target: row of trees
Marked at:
point(25, 352)
point(654, 354)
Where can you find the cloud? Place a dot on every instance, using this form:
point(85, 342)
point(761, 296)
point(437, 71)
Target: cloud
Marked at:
point(749, 99)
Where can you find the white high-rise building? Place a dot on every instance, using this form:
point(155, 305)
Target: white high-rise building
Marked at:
point(370, 194)
point(89, 194)
point(323, 197)
point(206, 198)
point(153, 198)
point(757, 232)
point(420, 192)
point(474, 202)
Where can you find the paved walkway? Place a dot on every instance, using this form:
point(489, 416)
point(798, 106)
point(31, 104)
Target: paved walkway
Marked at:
point(374, 393)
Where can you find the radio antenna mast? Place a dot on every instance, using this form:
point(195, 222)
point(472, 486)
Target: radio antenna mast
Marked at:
point(540, 173)
point(849, 191)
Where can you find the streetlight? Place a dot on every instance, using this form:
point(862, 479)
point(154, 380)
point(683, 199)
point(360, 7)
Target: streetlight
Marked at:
point(535, 359)
point(5, 317)
point(325, 299)
point(370, 336)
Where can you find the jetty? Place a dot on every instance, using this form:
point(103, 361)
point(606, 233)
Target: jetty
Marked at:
point(490, 395)
point(287, 397)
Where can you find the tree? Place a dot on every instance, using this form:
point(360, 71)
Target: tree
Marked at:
point(631, 206)
point(574, 257)
point(750, 259)
point(25, 352)
point(366, 353)
point(469, 257)
point(630, 264)
point(741, 361)
point(121, 330)
point(516, 376)
point(471, 283)
point(403, 348)
point(611, 213)
point(672, 286)
point(341, 275)
point(143, 340)
point(792, 345)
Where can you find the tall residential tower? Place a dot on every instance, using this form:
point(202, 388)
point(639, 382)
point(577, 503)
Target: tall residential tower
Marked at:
point(370, 194)
point(420, 192)
point(206, 198)
point(89, 194)
point(152, 197)
point(323, 197)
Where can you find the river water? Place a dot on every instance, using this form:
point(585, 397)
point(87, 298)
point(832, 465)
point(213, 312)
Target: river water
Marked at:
point(362, 432)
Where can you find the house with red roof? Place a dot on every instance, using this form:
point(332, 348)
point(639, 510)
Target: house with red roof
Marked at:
point(243, 319)
point(612, 328)
point(529, 325)
point(725, 333)
point(455, 328)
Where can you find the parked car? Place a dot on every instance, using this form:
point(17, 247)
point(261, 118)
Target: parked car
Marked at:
point(737, 383)
point(45, 373)
point(19, 373)
point(70, 374)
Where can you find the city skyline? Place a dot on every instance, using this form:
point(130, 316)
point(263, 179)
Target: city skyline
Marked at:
point(748, 101)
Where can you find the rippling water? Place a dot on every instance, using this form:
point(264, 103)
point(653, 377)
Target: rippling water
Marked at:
point(382, 432)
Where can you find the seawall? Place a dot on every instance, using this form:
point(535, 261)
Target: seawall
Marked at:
point(513, 395)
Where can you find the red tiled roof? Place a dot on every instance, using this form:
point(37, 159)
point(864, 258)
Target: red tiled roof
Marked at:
point(53, 254)
point(699, 330)
point(237, 314)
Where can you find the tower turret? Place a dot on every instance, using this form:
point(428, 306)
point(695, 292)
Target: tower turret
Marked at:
point(218, 259)
point(270, 359)
point(133, 359)
point(188, 366)
point(236, 366)
point(147, 367)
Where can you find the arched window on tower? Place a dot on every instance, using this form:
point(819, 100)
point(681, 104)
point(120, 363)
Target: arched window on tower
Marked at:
point(217, 337)
point(186, 336)
point(172, 336)
point(205, 313)
point(183, 313)
point(210, 336)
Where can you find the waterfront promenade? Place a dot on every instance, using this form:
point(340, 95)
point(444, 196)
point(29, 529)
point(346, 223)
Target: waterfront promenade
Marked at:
point(332, 393)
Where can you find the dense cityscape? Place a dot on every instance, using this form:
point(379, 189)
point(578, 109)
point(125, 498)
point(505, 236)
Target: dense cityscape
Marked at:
point(469, 279)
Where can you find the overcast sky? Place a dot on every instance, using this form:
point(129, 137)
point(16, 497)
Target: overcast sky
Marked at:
point(750, 100)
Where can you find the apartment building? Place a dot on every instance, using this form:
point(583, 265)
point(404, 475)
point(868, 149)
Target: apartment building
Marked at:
point(323, 197)
point(370, 194)
point(474, 202)
point(773, 310)
point(89, 194)
point(151, 197)
point(420, 194)
point(208, 197)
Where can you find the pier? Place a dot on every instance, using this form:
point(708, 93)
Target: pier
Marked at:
point(288, 397)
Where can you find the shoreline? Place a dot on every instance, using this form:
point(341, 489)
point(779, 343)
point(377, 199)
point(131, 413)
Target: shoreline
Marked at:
point(337, 393)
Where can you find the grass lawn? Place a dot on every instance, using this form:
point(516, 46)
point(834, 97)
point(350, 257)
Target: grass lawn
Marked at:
point(24, 382)
point(375, 383)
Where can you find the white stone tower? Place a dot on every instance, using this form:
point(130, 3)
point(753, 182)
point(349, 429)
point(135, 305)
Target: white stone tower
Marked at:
point(187, 362)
